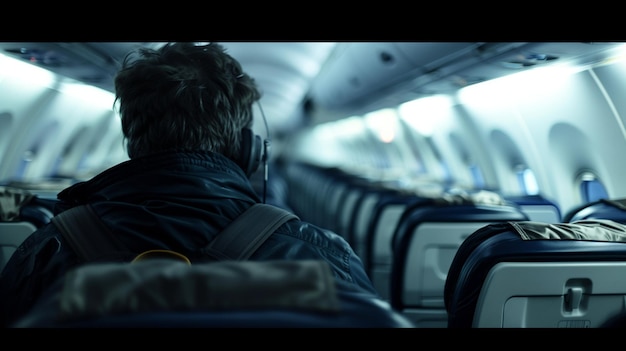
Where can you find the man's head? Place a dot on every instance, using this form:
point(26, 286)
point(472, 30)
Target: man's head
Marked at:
point(184, 96)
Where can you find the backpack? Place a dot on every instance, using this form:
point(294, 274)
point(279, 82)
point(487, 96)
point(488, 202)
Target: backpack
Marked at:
point(161, 288)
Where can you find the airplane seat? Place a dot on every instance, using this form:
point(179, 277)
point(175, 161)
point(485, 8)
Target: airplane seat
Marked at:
point(301, 304)
point(538, 275)
point(376, 243)
point(363, 218)
point(329, 197)
point(537, 207)
point(424, 244)
point(614, 210)
point(12, 234)
point(341, 203)
point(310, 188)
point(21, 213)
point(617, 321)
point(38, 210)
point(273, 189)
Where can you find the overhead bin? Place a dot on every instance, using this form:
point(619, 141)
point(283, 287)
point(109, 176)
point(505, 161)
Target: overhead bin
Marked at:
point(363, 68)
point(90, 63)
point(73, 60)
point(362, 74)
point(362, 77)
point(520, 58)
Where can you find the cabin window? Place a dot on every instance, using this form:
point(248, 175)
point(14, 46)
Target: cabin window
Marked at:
point(477, 176)
point(445, 169)
point(413, 152)
point(6, 121)
point(27, 157)
point(591, 188)
point(527, 180)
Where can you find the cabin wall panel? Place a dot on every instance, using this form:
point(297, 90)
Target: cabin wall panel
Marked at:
point(612, 78)
point(82, 154)
point(25, 103)
point(68, 113)
point(570, 124)
point(477, 147)
point(45, 109)
point(492, 116)
point(448, 125)
point(85, 127)
point(111, 150)
point(50, 143)
point(539, 118)
point(428, 159)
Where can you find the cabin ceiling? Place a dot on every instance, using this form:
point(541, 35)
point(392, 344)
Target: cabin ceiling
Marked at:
point(283, 72)
point(364, 77)
point(306, 83)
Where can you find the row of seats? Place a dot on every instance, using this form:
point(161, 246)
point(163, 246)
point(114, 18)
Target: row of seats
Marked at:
point(391, 225)
point(411, 244)
point(452, 260)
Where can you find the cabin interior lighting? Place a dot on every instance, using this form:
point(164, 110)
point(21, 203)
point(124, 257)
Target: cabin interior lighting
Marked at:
point(349, 127)
point(422, 114)
point(88, 93)
point(503, 90)
point(383, 123)
point(10, 67)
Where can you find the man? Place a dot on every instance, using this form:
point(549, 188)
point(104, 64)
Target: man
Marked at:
point(186, 113)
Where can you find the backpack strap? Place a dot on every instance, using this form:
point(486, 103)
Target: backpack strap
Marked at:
point(247, 232)
point(238, 241)
point(81, 222)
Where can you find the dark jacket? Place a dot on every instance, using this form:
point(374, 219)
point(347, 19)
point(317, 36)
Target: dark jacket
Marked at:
point(177, 201)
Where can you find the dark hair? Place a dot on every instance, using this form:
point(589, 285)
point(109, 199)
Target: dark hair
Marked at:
point(184, 96)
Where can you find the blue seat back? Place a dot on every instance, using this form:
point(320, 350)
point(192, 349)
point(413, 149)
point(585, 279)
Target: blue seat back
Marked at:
point(498, 280)
point(602, 209)
point(355, 310)
point(377, 243)
point(424, 245)
point(537, 207)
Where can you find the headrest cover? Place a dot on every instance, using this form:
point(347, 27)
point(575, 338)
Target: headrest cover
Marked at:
point(591, 230)
point(161, 284)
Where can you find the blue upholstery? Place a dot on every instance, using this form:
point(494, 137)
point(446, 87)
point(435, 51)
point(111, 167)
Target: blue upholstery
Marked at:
point(537, 207)
point(360, 220)
point(38, 211)
point(358, 310)
point(601, 209)
point(386, 215)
